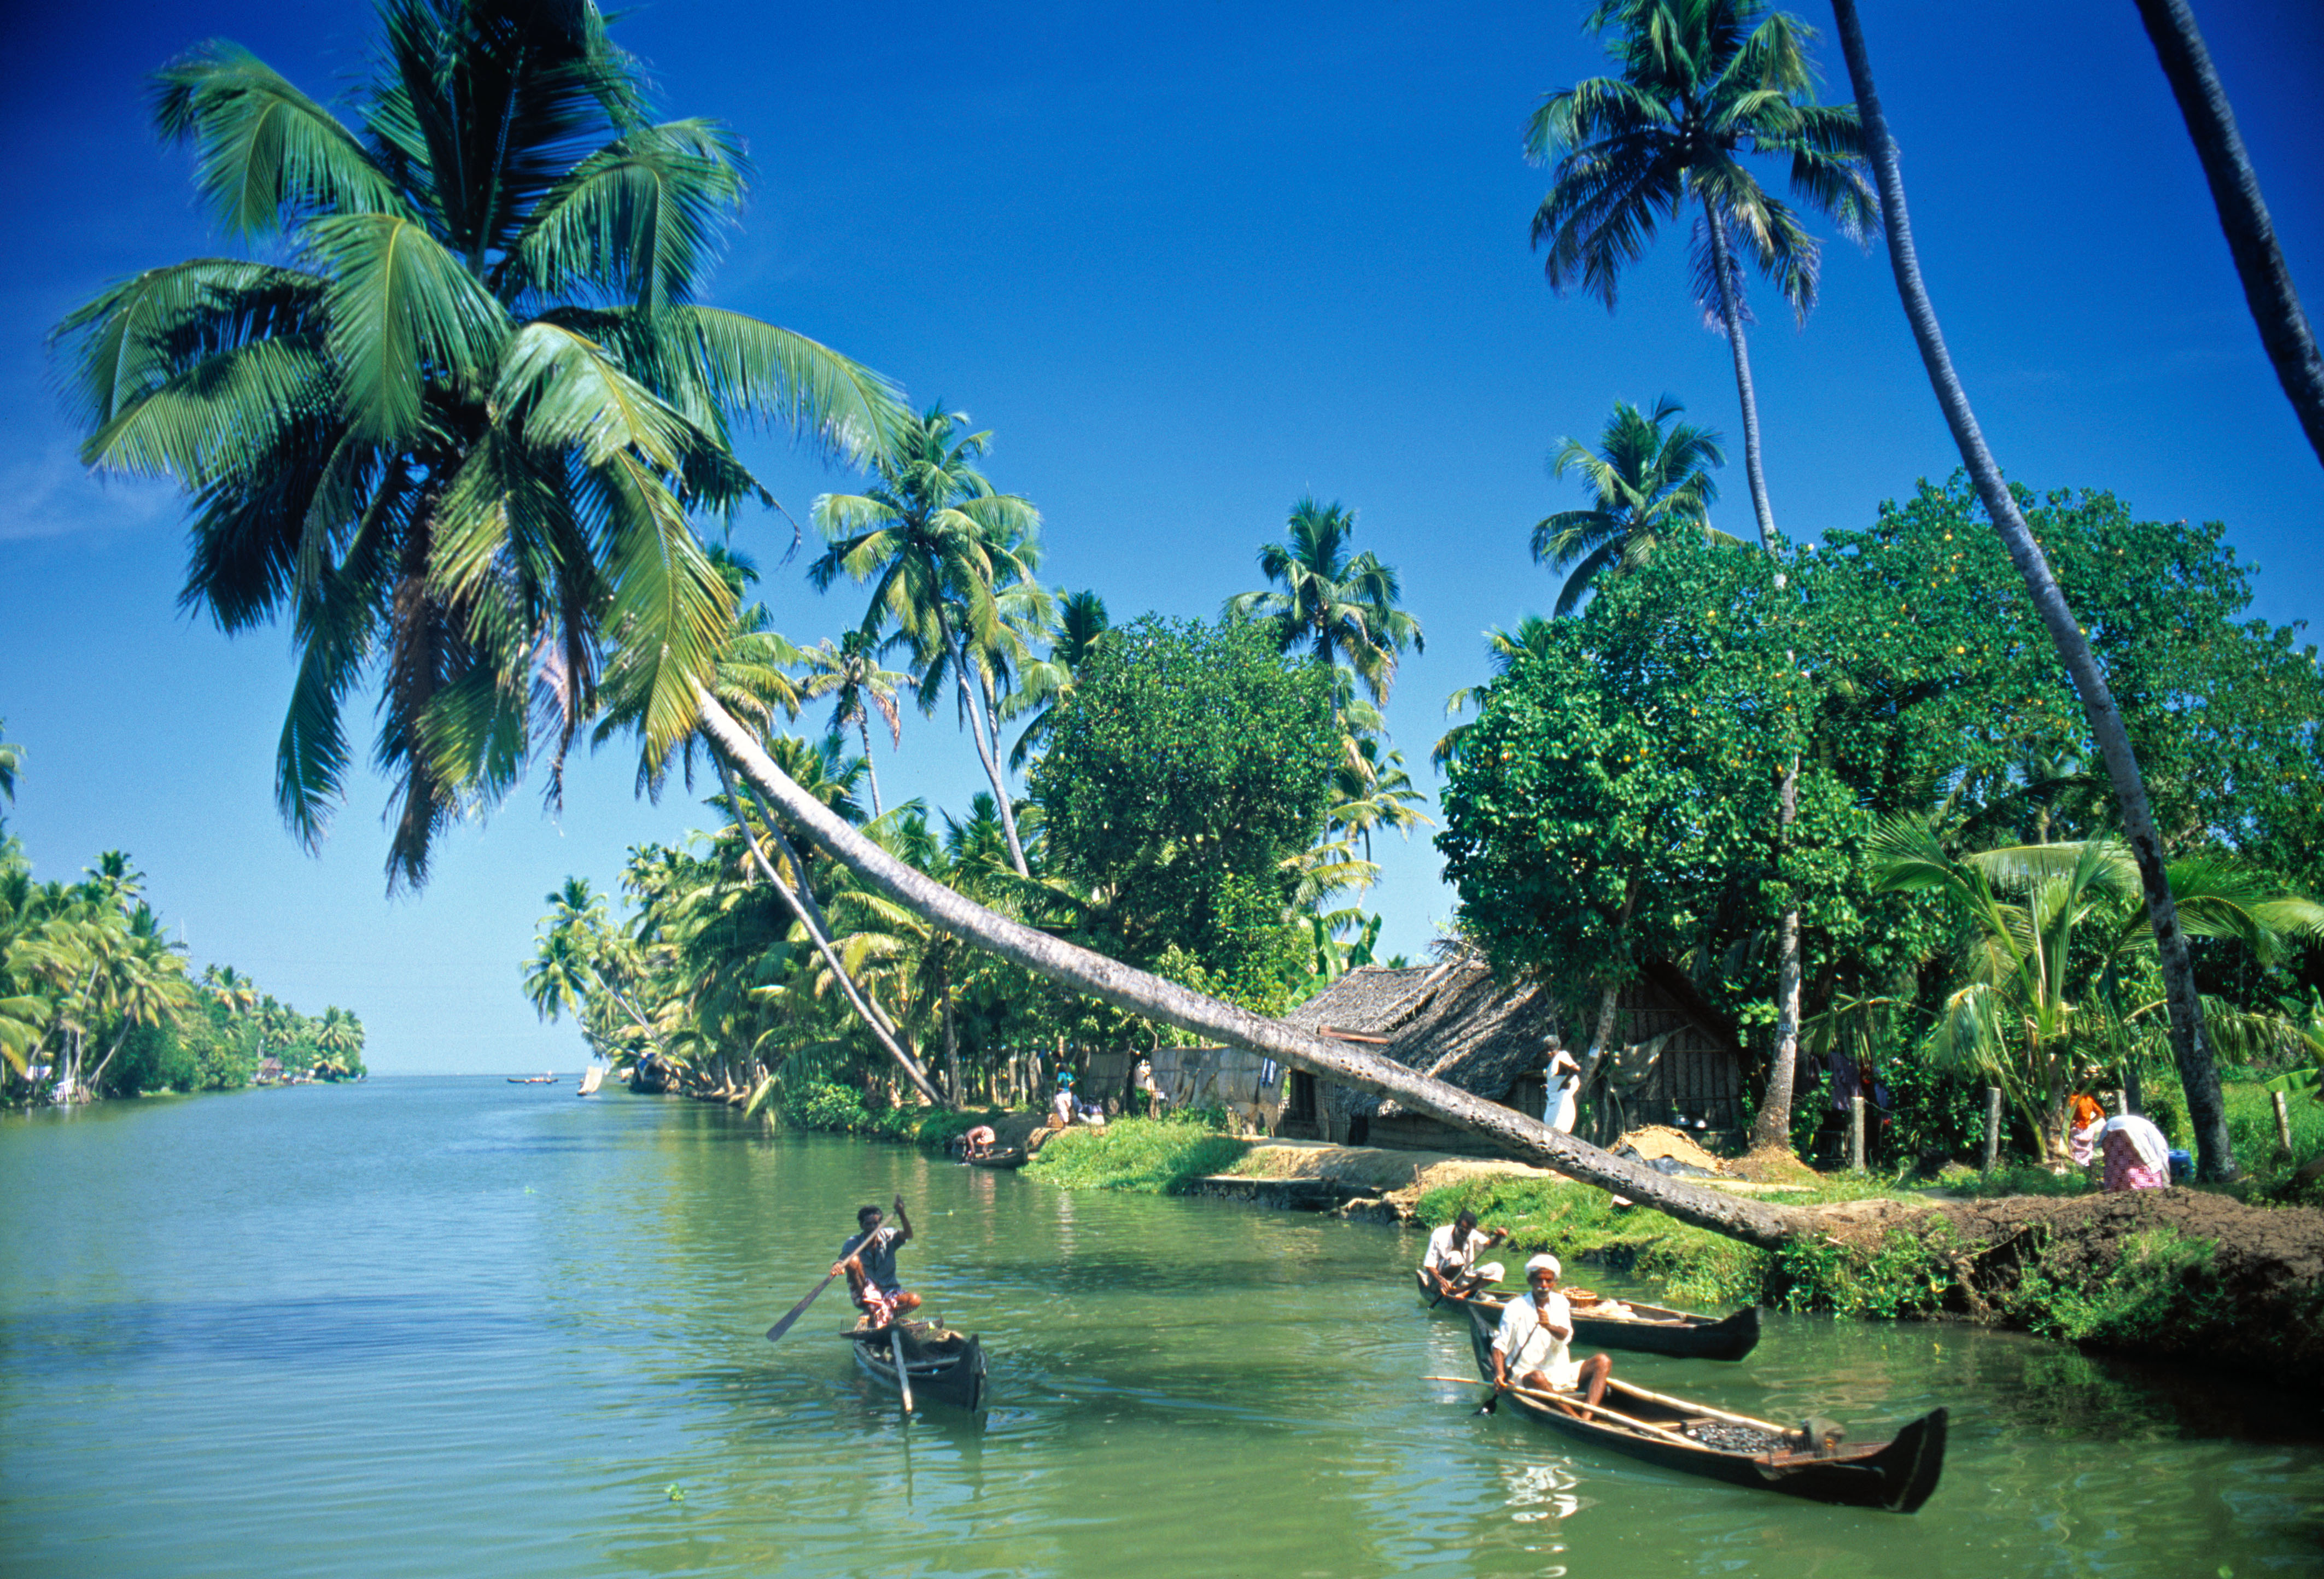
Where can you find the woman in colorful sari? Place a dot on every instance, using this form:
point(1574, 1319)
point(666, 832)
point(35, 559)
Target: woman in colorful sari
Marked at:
point(2084, 1119)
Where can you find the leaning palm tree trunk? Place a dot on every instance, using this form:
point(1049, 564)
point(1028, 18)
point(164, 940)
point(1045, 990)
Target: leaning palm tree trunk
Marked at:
point(2205, 1105)
point(812, 921)
point(2242, 212)
point(1119, 984)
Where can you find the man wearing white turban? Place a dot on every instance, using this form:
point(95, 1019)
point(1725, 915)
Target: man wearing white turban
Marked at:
point(1530, 1350)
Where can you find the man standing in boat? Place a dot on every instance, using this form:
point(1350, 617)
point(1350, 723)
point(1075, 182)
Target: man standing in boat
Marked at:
point(869, 1260)
point(1530, 1350)
point(1451, 1261)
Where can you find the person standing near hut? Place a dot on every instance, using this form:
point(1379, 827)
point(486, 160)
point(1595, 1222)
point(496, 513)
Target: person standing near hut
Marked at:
point(1451, 1261)
point(1062, 1105)
point(2137, 1157)
point(1565, 1091)
point(869, 1260)
point(1531, 1351)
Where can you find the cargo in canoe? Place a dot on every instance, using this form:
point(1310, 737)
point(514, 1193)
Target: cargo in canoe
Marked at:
point(945, 1366)
point(1898, 1475)
point(1647, 1329)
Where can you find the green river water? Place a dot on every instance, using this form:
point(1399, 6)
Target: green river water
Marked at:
point(460, 1327)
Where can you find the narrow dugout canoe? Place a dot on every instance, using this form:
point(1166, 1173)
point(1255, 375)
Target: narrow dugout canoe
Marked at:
point(1649, 1329)
point(1898, 1475)
point(1011, 1157)
point(943, 1365)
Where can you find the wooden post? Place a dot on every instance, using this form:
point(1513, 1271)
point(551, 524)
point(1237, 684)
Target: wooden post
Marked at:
point(1856, 1134)
point(2282, 1121)
point(1992, 1128)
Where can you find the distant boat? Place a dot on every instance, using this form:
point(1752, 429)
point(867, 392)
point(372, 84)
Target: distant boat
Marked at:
point(532, 1080)
point(590, 1077)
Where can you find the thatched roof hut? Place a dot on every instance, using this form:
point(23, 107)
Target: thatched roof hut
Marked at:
point(1675, 1056)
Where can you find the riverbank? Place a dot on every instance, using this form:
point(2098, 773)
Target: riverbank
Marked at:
point(2183, 1274)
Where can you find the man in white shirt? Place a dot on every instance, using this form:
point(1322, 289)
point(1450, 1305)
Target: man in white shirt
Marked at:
point(1564, 1087)
point(1530, 1350)
point(1451, 1261)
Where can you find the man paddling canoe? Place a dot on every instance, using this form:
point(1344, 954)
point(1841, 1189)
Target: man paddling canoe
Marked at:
point(1530, 1349)
point(869, 1260)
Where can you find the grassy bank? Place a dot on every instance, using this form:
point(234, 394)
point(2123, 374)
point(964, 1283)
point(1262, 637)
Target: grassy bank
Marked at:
point(1155, 1157)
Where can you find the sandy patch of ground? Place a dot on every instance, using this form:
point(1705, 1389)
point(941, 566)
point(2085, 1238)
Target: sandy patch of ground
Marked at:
point(1656, 1141)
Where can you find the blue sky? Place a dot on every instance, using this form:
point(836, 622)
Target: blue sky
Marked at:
point(1186, 263)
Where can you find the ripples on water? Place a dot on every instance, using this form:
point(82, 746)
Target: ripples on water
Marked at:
point(457, 1326)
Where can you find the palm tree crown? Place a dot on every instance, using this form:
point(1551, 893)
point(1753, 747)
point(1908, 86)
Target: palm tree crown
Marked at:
point(455, 436)
point(1341, 607)
point(1702, 83)
point(1649, 483)
point(938, 544)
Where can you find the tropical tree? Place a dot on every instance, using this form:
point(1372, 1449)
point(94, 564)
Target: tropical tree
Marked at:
point(1047, 684)
point(849, 672)
point(454, 433)
point(936, 542)
point(2207, 1107)
point(1649, 484)
point(1702, 83)
point(387, 444)
point(2041, 988)
point(1503, 648)
point(12, 762)
point(1341, 607)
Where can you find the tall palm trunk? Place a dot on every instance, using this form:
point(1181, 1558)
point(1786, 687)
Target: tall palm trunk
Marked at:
point(812, 921)
point(1772, 1127)
point(1601, 1036)
point(1730, 313)
point(2205, 1105)
point(2242, 212)
point(976, 734)
point(1112, 982)
point(863, 729)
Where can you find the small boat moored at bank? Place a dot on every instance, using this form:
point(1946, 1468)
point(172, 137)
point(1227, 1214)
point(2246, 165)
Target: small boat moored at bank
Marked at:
point(1813, 1461)
point(1642, 1329)
point(942, 1364)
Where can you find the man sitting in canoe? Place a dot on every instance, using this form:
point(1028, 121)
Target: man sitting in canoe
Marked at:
point(1530, 1350)
point(869, 1260)
point(1449, 1264)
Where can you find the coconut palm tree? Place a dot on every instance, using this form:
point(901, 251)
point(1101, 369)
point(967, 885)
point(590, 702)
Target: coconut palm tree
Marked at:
point(1649, 483)
point(455, 438)
point(1533, 634)
point(1702, 84)
point(1341, 607)
point(452, 426)
point(849, 672)
point(2206, 1105)
point(936, 541)
point(1046, 685)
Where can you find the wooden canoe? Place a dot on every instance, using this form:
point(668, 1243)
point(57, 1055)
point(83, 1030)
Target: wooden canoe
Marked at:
point(1898, 1475)
point(1012, 1157)
point(1649, 1329)
point(945, 1366)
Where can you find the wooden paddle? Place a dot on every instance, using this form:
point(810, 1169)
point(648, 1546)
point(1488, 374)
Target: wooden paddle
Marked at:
point(1564, 1400)
point(784, 1325)
point(1689, 1404)
point(903, 1377)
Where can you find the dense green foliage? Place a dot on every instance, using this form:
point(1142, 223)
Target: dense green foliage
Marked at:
point(1152, 1157)
point(95, 1000)
point(1189, 767)
point(1610, 802)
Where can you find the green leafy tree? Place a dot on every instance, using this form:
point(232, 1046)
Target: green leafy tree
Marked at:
point(1186, 775)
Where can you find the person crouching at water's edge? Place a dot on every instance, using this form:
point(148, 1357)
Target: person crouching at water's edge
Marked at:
point(869, 1260)
point(1530, 1350)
